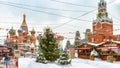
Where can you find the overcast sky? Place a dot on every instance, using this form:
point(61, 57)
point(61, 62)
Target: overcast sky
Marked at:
point(53, 13)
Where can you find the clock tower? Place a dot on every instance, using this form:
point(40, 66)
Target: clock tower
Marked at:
point(102, 25)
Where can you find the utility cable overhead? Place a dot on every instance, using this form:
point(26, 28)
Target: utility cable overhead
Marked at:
point(45, 7)
point(15, 22)
point(49, 8)
point(74, 19)
point(42, 11)
point(114, 17)
point(78, 16)
point(72, 4)
point(51, 13)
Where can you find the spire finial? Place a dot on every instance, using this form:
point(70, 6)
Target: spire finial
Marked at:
point(33, 31)
point(24, 15)
point(24, 20)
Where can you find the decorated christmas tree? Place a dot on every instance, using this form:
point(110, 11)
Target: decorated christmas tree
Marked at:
point(49, 45)
point(41, 58)
point(64, 59)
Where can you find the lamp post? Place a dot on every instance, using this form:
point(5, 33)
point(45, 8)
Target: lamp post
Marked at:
point(15, 44)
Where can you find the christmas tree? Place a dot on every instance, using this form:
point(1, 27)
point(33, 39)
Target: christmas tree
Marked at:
point(49, 45)
point(41, 59)
point(64, 59)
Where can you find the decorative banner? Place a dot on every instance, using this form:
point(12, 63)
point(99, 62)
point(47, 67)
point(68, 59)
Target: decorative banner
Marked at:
point(58, 32)
point(3, 36)
point(7, 29)
point(39, 32)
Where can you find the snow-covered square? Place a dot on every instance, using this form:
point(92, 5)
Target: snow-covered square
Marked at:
point(76, 63)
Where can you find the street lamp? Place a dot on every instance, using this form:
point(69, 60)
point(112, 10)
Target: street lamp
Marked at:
point(15, 44)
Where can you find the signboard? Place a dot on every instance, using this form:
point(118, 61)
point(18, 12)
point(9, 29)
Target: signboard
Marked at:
point(110, 45)
point(83, 48)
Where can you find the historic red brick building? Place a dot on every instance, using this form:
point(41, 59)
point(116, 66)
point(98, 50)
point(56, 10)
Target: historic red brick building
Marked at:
point(102, 26)
point(21, 39)
point(101, 39)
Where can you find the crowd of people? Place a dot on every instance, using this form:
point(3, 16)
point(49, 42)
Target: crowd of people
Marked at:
point(9, 61)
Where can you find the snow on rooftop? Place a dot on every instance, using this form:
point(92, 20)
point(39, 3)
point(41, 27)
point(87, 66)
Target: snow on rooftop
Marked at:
point(102, 43)
point(116, 42)
point(95, 44)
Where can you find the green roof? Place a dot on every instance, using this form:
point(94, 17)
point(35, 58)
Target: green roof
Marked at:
point(101, 0)
point(12, 31)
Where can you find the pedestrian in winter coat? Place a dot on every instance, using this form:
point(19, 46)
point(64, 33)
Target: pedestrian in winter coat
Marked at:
point(7, 61)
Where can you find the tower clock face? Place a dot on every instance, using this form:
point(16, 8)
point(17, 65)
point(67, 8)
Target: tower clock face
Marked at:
point(98, 26)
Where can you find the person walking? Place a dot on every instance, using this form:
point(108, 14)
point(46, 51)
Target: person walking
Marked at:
point(6, 61)
point(16, 62)
point(12, 63)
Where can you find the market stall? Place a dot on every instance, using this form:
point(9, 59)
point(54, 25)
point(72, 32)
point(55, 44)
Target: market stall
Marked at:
point(109, 49)
point(84, 51)
point(5, 50)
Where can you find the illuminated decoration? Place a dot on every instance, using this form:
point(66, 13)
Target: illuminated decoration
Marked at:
point(6, 29)
point(78, 38)
point(59, 37)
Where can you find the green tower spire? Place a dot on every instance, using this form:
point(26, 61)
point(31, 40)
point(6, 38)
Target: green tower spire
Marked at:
point(101, 0)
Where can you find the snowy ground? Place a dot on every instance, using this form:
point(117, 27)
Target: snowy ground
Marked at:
point(76, 63)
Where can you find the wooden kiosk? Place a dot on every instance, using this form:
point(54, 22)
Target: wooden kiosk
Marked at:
point(84, 51)
point(108, 49)
point(5, 50)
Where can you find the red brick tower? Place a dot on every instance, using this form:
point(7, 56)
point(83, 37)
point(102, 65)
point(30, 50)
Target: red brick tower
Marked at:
point(102, 26)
